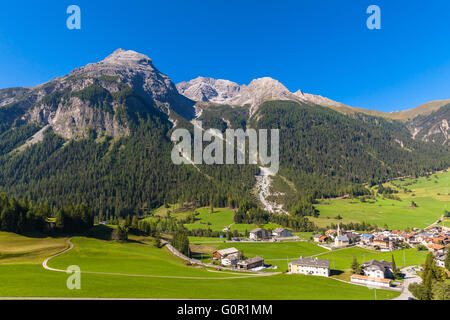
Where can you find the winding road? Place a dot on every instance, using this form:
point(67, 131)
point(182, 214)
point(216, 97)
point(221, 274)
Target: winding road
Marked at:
point(409, 278)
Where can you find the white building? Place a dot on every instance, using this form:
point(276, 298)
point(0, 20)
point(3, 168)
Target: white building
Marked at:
point(369, 281)
point(377, 269)
point(310, 266)
point(281, 233)
point(259, 234)
point(220, 254)
point(230, 260)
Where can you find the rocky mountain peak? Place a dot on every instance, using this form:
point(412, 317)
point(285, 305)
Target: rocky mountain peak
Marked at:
point(254, 94)
point(127, 57)
point(209, 90)
point(92, 97)
point(228, 92)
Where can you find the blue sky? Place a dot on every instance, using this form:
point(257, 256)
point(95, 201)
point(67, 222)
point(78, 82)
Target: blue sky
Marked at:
point(318, 46)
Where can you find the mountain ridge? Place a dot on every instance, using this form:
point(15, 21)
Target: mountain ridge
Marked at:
point(206, 89)
point(100, 96)
point(101, 134)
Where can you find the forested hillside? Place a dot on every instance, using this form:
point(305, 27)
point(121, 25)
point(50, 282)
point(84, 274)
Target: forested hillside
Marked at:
point(101, 136)
point(327, 154)
point(116, 176)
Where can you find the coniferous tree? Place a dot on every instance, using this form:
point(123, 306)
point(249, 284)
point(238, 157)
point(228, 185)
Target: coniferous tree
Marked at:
point(356, 269)
point(447, 260)
point(395, 271)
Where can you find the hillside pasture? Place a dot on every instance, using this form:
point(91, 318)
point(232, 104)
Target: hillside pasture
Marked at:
point(430, 194)
point(16, 248)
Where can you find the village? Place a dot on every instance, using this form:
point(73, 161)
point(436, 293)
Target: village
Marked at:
point(373, 273)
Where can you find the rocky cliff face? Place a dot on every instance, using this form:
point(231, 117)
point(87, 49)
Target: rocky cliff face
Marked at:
point(209, 90)
point(434, 127)
point(259, 90)
point(96, 96)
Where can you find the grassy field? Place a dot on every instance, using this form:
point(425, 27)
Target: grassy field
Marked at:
point(280, 254)
point(276, 253)
point(445, 222)
point(216, 221)
point(109, 256)
point(304, 235)
point(27, 281)
point(206, 240)
point(342, 259)
point(139, 258)
point(20, 249)
point(430, 194)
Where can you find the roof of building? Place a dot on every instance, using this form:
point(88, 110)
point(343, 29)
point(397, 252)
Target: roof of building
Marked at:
point(312, 262)
point(256, 230)
point(277, 230)
point(435, 246)
point(342, 238)
point(383, 239)
point(252, 260)
point(367, 235)
point(379, 264)
point(357, 276)
point(323, 238)
point(425, 234)
point(227, 251)
point(232, 257)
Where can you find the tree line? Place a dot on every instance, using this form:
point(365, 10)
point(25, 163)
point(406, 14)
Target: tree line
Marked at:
point(24, 216)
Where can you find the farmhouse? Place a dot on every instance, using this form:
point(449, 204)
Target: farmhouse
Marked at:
point(369, 281)
point(220, 254)
point(281, 233)
point(251, 263)
point(310, 266)
point(230, 260)
point(377, 269)
point(259, 234)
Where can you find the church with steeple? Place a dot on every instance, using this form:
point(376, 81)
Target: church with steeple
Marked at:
point(341, 240)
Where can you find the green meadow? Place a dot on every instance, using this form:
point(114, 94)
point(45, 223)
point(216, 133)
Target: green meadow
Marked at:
point(216, 221)
point(430, 194)
point(342, 259)
point(21, 249)
point(276, 253)
point(33, 281)
point(281, 253)
point(219, 219)
point(155, 273)
point(94, 255)
point(445, 222)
